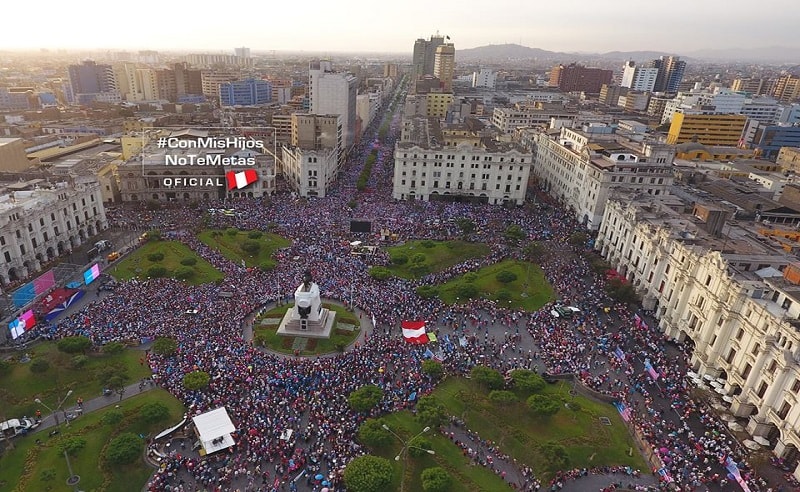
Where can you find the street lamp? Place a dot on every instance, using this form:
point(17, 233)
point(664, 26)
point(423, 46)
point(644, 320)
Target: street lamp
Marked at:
point(58, 407)
point(406, 446)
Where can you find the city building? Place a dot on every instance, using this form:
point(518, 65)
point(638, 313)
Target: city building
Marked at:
point(211, 79)
point(249, 92)
point(769, 140)
point(765, 110)
point(789, 159)
point(332, 92)
point(729, 289)
point(752, 86)
point(213, 59)
point(484, 78)
point(242, 52)
point(709, 129)
point(310, 164)
point(670, 73)
point(41, 221)
point(528, 115)
point(634, 101)
point(444, 63)
point(787, 89)
point(610, 94)
point(457, 163)
point(577, 78)
point(390, 70)
point(91, 81)
point(13, 157)
point(580, 167)
point(638, 78)
point(423, 56)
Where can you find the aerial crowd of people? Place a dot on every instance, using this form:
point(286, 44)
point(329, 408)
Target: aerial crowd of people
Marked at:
point(267, 394)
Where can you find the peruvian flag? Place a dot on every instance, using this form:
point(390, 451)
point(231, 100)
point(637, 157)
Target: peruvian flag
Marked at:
point(414, 332)
point(242, 179)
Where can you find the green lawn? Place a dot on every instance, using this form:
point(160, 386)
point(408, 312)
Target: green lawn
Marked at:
point(519, 434)
point(94, 472)
point(530, 281)
point(438, 256)
point(267, 335)
point(448, 456)
point(230, 246)
point(20, 386)
point(137, 264)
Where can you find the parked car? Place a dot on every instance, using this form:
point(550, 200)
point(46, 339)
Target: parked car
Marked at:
point(564, 311)
point(17, 427)
point(113, 256)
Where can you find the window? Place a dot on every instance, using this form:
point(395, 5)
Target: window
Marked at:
point(746, 371)
point(2, 240)
point(785, 409)
point(772, 366)
point(739, 334)
point(730, 356)
point(756, 349)
point(8, 256)
point(762, 389)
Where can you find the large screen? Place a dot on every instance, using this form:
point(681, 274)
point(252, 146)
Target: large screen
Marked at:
point(25, 322)
point(91, 274)
point(360, 226)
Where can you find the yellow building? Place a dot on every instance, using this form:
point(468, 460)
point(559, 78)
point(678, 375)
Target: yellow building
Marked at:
point(708, 129)
point(789, 159)
point(132, 145)
point(438, 102)
point(12, 155)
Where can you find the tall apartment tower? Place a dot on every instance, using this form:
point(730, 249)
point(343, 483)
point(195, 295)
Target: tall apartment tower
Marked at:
point(91, 78)
point(423, 59)
point(332, 92)
point(638, 78)
point(444, 64)
point(670, 73)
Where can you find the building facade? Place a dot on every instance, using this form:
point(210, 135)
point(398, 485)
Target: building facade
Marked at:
point(444, 65)
point(249, 92)
point(332, 92)
point(708, 129)
point(577, 78)
point(638, 78)
point(40, 224)
point(735, 300)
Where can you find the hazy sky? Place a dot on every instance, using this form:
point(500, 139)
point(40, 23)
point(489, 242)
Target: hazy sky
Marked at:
point(369, 25)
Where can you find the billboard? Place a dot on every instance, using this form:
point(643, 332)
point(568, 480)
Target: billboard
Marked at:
point(360, 226)
point(30, 291)
point(91, 274)
point(24, 323)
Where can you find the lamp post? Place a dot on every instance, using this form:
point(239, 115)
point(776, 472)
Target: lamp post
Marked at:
point(58, 407)
point(73, 479)
point(406, 446)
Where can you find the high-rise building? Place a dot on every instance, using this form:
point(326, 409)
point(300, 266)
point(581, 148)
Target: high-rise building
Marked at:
point(444, 65)
point(311, 162)
point(708, 129)
point(577, 78)
point(670, 73)
point(424, 55)
point(390, 69)
point(242, 52)
point(89, 79)
point(484, 78)
point(211, 79)
point(787, 89)
point(610, 94)
point(332, 92)
point(752, 86)
point(638, 78)
point(249, 92)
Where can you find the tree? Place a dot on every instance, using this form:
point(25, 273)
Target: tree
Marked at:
point(432, 368)
point(621, 290)
point(506, 276)
point(189, 261)
point(504, 295)
point(79, 361)
point(39, 365)
point(379, 273)
point(196, 380)
point(74, 345)
point(466, 225)
point(113, 348)
point(72, 445)
point(365, 398)
point(417, 259)
point(427, 291)
point(47, 475)
point(254, 234)
point(154, 257)
point(231, 231)
point(578, 238)
point(113, 377)
point(153, 235)
point(436, 479)
point(165, 346)
point(555, 455)
point(533, 251)
point(543, 406)
point(502, 397)
point(418, 446)
point(156, 271)
point(514, 233)
point(467, 291)
point(112, 417)
point(153, 412)
point(5, 367)
point(368, 474)
point(430, 411)
point(372, 433)
point(124, 448)
point(183, 272)
point(487, 377)
point(251, 246)
point(399, 258)
point(527, 381)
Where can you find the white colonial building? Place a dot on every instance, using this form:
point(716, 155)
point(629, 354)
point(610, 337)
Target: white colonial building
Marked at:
point(736, 297)
point(310, 172)
point(458, 164)
point(40, 221)
point(581, 167)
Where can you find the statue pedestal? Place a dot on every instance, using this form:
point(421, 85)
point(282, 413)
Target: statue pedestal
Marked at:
point(307, 317)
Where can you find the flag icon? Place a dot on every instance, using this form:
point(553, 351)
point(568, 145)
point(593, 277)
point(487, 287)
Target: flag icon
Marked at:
point(242, 179)
point(414, 332)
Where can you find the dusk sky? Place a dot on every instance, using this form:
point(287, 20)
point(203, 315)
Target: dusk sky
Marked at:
point(361, 25)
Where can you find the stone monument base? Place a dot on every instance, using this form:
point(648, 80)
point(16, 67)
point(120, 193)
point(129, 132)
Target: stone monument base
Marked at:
point(292, 326)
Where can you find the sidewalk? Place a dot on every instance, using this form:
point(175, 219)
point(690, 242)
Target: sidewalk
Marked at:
point(91, 405)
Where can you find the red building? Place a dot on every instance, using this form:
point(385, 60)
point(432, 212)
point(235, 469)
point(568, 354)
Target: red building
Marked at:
point(577, 78)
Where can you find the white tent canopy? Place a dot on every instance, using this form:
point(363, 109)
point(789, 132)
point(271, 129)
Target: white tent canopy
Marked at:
point(214, 429)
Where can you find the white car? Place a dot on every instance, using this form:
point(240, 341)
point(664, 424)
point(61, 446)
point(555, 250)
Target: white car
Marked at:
point(16, 427)
point(564, 311)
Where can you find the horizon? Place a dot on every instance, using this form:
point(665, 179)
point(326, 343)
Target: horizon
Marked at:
point(351, 25)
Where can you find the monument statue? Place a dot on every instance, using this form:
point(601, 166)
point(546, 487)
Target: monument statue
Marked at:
point(307, 318)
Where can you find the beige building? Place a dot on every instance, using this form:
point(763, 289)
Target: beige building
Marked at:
point(789, 159)
point(211, 79)
point(734, 297)
point(444, 65)
point(310, 164)
point(12, 155)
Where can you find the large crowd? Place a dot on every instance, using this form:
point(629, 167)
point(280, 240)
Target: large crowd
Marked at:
point(268, 394)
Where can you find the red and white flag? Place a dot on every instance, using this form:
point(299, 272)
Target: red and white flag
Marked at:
point(242, 179)
point(414, 332)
